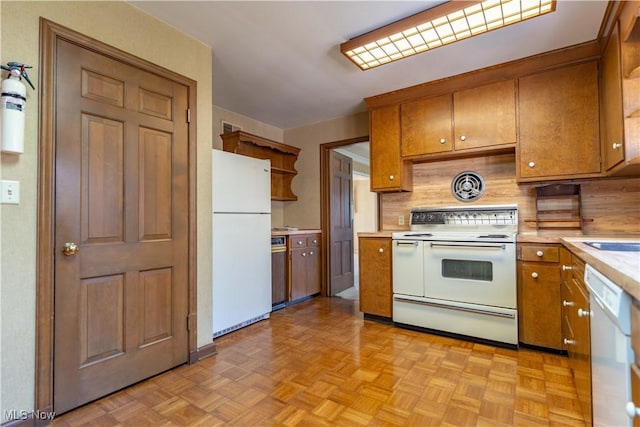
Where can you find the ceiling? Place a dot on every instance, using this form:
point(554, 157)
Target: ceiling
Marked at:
point(279, 62)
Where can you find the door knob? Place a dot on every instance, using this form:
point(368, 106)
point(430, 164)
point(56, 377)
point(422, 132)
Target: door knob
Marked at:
point(70, 248)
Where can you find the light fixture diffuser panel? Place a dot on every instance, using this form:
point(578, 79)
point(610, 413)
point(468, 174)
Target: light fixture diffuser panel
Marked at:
point(438, 26)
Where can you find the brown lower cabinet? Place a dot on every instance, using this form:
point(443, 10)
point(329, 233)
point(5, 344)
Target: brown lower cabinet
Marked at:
point(576, 327)
point(374, 260)
point(304, 266)
point(539, 309)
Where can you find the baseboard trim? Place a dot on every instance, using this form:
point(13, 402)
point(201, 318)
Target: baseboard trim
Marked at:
point(206, 351)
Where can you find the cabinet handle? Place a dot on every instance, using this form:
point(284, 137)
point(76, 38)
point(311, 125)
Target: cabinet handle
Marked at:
point(311, 253)
point(583, 313)
point(616, 145)
point(566, 267)
point(463, 138)
point(534, 275)
point(632, 410)
point(568, 342)
point(539, 253)
point(391, 177)
point(304, 254)
point(381, 250)
point(315, 241)
point(532, 164)
point(442, 140)
point(299, 242)
point(566, 303)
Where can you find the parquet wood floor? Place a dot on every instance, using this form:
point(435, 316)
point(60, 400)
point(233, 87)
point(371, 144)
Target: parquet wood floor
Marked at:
point(318, 363)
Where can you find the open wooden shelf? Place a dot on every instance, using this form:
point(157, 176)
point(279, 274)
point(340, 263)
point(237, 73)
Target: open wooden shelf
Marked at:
point(559, 206)
point(282, 156)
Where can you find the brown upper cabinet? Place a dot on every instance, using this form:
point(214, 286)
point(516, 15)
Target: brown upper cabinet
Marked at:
point(388, 171)
point(476, 118)
point(485, 116)
point(426, 126)
point(620, 95)
point(559, 124)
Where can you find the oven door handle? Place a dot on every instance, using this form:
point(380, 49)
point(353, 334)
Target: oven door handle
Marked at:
point(405, 243)
point(489, 246)
point(458, 308)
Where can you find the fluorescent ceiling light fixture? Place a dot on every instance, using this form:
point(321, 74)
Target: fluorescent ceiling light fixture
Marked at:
point(438, 26)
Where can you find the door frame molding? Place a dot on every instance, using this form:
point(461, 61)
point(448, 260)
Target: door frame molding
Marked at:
point(325, 175)
point(50, 32)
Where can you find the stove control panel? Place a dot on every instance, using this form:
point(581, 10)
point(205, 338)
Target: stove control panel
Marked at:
point(463, 216)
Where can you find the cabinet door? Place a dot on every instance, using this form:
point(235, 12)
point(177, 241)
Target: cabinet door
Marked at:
point(388, 171)
point(582, 363)
point(298, 278)
point(426, 126)
point(485, 116)
point(612, 131)
point(313, 270)
point(374, 256)
point(540, 308)
point(559, 124)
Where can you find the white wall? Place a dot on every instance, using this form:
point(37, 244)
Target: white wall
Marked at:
point(365, 208)
point(305, 213)
point(121, 25)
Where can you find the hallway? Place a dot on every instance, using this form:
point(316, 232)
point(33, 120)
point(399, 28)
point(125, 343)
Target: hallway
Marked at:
point(318, 363)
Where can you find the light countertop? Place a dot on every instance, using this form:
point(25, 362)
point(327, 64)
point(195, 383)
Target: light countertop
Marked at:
point(294, 232)
point(623, 268)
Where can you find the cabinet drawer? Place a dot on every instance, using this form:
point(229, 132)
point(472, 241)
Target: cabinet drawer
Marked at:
point(299, 241)
point(541, 273)
point(540, 253)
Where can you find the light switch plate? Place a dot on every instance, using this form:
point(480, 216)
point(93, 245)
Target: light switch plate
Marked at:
point(10, 191)
point(400, 219)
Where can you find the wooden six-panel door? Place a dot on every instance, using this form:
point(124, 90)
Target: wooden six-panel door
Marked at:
point(122, 197)
point(340, 223)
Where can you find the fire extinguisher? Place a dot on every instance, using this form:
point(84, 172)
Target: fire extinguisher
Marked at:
point(13, 105)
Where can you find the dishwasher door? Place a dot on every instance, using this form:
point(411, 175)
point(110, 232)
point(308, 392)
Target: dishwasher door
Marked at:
point(611, 355)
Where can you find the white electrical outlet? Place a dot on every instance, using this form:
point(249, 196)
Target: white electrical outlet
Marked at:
point(400, 219)
point(10, 192)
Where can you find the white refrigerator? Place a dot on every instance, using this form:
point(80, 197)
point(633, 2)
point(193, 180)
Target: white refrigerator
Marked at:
point(241, 241)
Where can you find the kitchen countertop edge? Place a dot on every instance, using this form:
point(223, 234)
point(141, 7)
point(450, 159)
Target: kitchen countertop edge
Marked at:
point(375, 234)
point(294, 232)
point(623, 268)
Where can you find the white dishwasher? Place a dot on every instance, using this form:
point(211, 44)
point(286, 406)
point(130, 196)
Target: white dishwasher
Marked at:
point(611, 354)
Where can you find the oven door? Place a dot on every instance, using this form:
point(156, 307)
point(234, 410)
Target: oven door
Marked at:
point(408, 257)
point(473, 272)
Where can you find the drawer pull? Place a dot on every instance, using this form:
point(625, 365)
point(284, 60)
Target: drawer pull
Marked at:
point(566, 267)
point(381, 250)
point(534, 275)
point(566, 303)
point(568, 342)
point(540, 253)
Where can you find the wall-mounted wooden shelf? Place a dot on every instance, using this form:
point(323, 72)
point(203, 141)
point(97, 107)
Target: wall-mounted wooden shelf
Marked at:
point(282, 156)
point(559, 206)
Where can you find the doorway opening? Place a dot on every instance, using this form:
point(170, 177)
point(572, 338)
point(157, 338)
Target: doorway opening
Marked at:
point(345, 212)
